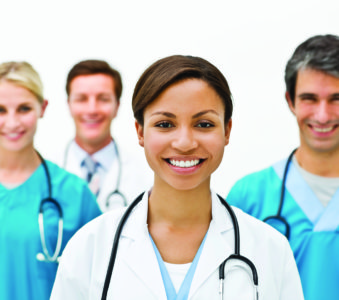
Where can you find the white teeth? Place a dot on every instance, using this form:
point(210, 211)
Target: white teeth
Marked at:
point(91, 121)
point(184, 164)
point(328, 129)
point(13, 135)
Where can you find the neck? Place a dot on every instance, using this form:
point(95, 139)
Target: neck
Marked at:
point(180, 208)
point(92, 147)
point(318, 163)
point(16, 167)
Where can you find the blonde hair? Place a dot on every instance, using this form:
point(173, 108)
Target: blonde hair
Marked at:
point(22, 74)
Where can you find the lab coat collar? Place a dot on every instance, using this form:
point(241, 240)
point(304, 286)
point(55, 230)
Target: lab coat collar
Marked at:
point(141, 257)
point(216, 248)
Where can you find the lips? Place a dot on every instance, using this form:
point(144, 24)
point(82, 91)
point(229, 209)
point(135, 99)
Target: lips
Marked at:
point(13, 136)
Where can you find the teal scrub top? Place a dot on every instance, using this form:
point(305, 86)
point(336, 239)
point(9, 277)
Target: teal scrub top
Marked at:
point(314, 236)
point(22, 276)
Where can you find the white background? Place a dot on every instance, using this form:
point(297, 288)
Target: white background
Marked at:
point(249, 41)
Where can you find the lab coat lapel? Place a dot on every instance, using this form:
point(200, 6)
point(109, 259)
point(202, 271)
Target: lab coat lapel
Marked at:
point(71, 160)
point(140, 256)
point(109, 185)
point(217, 248)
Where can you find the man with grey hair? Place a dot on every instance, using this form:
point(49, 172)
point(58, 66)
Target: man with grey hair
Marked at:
point(299, 196)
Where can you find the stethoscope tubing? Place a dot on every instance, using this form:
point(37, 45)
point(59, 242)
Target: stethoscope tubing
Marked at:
point(116, 244)
point(116, 191)
point(45, 256)
point(236, 254)
point(278, 215)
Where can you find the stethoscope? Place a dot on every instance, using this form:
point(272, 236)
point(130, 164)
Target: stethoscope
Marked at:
point(236, 254)
point(115, 193)
point(45, 256)
point(278, 216)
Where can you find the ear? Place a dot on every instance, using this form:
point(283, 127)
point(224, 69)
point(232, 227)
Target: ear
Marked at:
point(140, 133)
point(43, 107)
point(228, 128)
point(116, 109)
point(289, 102)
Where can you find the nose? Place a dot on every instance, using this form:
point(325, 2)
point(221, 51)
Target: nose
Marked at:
point(92, 105)
point(323, 112)
point(12, 121)
point(184, 140)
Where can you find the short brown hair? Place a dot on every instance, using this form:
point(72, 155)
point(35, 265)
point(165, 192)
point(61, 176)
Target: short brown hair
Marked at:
point(91, 67)
point(170, 70)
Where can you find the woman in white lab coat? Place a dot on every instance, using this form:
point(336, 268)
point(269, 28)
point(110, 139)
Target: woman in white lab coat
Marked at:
point(179, 236)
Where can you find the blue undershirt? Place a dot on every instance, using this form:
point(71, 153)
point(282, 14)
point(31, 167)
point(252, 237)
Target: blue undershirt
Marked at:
point(186, 284)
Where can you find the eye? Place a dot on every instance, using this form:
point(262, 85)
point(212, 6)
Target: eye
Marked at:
point(164, 124)
point(2, 110)
point(335, 98)
point(308, 97)
point(24, 108)
point(205, 124)
point(79, 99)
point(104, 98)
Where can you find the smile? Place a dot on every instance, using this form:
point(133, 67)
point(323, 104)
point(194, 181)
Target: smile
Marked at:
point(184, 163)
point(91, 121)
point(14, 135)
point(324, 129)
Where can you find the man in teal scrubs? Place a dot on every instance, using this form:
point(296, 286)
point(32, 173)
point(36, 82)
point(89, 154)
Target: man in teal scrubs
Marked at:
point(311, 190)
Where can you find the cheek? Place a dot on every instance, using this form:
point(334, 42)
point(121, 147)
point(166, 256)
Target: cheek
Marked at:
point(215, 144)
point(304, 111)
point(154, 143)
point(30, 120)
point(75, 109)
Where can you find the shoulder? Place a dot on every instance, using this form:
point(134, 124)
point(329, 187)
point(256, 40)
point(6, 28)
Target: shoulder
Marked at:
point(94, 237)
point(67, 186)
point(60, 175)
point(259, 230)
point(255, 182)
point(102, 226)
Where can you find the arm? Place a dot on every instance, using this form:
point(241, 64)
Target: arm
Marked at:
point(291, 285)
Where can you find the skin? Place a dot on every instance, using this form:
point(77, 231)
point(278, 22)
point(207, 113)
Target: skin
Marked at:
point(19, 114)
point(317, 113)
point(93, 106)
point(185, 123)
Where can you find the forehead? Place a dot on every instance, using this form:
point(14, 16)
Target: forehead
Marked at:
point(94, 83)
point(310, 80)
point(188, 95)
point(15, 93)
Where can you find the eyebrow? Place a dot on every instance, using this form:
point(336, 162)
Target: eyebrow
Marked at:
point(303, 95)
point(197, 115)
point(164, 113)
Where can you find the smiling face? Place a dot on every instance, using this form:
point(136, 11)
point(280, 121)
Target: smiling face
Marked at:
point(184, 134)
point(317, 110)
point(19, 113)
point(93, 106)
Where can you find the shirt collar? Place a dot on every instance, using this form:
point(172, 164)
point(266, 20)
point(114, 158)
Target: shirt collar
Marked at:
point(104, 156)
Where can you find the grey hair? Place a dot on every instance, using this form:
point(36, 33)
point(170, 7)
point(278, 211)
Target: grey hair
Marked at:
point(320, 52)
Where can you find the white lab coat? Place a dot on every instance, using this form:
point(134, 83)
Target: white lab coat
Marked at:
point(136, 274)
point(136, 175)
